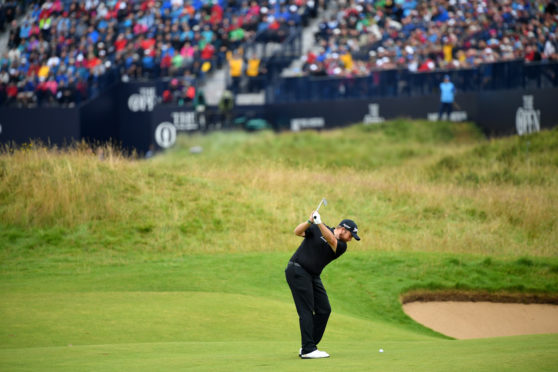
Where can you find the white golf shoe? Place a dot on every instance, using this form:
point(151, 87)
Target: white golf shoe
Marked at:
point(316, 354)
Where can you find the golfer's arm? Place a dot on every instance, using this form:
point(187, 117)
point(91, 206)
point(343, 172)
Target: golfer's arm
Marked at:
point(329, 237)
point(300, 230)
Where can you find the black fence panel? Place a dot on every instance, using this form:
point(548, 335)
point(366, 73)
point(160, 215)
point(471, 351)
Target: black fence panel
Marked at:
point(395, 83)
point(49, 125)
point(135, 106)
point(99, 117)
point(497, 112)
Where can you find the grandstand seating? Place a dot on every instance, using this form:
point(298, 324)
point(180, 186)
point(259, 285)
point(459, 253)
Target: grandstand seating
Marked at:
point(61, 52)
point(429, 35)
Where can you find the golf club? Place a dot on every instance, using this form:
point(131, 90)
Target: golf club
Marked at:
point(324, 202)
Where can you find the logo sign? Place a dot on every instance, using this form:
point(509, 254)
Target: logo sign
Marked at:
point(527, 119)
point(455, 116)
point(165, 135)
point(303, 123)
point(185, 121)
point(373, 116)
point(144, 101)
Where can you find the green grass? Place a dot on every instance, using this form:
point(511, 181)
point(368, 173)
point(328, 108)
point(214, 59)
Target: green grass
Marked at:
point(177, 263)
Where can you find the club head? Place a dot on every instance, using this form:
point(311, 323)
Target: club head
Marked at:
point(323, 201)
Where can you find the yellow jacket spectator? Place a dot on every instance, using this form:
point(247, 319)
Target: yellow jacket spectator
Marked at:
point(43, 72)
point(448, 49)
point(235, 64)
point(253, 67)
point(347, 60)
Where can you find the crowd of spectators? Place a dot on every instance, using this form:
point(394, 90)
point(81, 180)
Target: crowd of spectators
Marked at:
point(60, 51)
point(366, 35)
point(255, 21)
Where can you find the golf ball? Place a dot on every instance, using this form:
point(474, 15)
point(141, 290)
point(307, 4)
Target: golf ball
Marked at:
point(381, 350)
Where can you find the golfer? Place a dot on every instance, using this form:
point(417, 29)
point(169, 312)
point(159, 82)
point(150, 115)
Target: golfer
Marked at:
point(321, 245)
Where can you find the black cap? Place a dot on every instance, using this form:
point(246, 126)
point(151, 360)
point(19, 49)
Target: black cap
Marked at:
point(351, 226)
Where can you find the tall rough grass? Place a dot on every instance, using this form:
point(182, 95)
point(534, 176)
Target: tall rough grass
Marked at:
point(42, 186)
point(411, 186)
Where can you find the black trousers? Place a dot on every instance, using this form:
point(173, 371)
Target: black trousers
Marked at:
point(312, 305)
point(445, 107)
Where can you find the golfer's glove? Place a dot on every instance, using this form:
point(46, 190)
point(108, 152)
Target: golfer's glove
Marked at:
point(316, 217)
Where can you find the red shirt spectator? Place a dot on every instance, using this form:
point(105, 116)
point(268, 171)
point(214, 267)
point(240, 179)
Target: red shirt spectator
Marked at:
point(41, 86)
point(11, 91)
point(191, 92)
point(166, 61)
point(147, 5)
point(208, 51)
point(167, 96)
point(93, 61)
point(216, 14)
point(274, 25)
point(529, 53)
point(189, 9)
point(120, 43)
point(311, 58)
point(427, 65)
point(147, 44)
point(33, 69)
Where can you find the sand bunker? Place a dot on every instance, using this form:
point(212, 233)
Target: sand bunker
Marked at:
point(463, 320)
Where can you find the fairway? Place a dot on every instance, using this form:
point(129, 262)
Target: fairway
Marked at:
point(486, 355)
point(177, 263)
point(75, 328)
point(101, 319)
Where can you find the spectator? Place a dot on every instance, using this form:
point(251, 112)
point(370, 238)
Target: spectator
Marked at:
point(447, 93)
point(11, 94)
point(236, 67)
point(138, 38)
point(253, 70)
point(430, 35)
point(199, 107)
point(226, 106)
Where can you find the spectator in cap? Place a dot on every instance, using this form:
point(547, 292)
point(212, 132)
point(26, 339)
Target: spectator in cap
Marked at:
point(447, 95)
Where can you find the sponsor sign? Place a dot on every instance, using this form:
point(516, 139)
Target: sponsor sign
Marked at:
point(185, 120)
point(304, 123)
point(165, 135)
point(527, 119)
point(455, 116)
point(373, 116)
point(144, 100)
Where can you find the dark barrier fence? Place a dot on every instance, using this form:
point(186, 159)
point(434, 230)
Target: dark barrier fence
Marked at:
point(53, 125)
point(496, 112)
point(129, 114)
point(403, 83)
point(99, 117)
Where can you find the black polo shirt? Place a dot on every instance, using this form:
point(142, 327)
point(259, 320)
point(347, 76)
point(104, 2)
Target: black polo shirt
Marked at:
point(314, 253)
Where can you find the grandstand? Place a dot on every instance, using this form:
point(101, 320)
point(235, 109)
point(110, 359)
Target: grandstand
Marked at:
point(208, 64)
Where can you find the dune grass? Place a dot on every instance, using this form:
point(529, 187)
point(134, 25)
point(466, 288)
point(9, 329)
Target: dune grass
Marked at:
point(117, 263)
